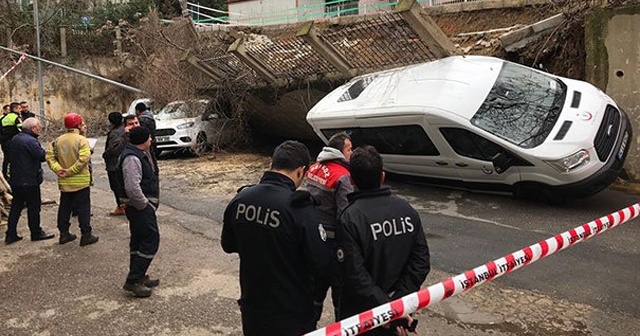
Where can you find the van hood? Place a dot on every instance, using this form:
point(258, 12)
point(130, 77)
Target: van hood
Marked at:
point(583, 112)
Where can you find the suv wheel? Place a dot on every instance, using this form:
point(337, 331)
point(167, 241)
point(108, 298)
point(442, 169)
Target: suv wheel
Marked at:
point(201, 145)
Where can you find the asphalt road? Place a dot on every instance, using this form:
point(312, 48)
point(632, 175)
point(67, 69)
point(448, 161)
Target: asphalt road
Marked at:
point(588, 289)
point(466, 230)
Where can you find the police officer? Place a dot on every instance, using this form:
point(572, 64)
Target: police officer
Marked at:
point(11, 123)
point(274, 229)
point(140, 191)
point(329, 183)
point(381, 244)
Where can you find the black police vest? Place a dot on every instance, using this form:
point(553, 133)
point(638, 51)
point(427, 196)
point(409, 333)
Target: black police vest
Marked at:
point(149, 183)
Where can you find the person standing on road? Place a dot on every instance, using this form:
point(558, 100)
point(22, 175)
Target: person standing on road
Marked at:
point(140, 193)
point(25, 179)
point(382, 248)
point(274, 229)
point(68, 157)
point(113, 147)
point(11, 123)
point(329, 183)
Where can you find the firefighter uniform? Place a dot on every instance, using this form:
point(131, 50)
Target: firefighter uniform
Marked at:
point(275, 231)
point(382, 250)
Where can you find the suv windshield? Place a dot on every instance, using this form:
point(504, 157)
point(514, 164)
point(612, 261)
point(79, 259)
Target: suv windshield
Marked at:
point(522, 107)
point(179, 110)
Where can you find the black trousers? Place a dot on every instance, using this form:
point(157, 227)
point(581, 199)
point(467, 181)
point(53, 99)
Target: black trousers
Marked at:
point(5, 159)
point(144, 243)
point(113, 185)
point(29, 197)
point(330, 279)
point(80, 201)
point(261, 325)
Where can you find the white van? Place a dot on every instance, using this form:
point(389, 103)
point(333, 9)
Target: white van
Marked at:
point(482, 123)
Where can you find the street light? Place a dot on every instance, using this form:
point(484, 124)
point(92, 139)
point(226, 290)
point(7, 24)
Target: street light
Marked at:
point(36, 19)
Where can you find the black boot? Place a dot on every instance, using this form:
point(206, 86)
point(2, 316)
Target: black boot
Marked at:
point(138, 289)
point(41, 235)
point(66, 237)
point(151, 282)
point(88, 239)
point(11, 239)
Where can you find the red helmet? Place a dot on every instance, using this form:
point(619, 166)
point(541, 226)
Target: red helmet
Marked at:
point(72, 120)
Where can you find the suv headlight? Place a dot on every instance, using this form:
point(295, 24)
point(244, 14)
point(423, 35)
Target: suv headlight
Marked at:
point(571, 162)
point(185, 125)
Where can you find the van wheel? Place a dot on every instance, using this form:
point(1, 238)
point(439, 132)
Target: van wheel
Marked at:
point(538, 192)
point(201, 145)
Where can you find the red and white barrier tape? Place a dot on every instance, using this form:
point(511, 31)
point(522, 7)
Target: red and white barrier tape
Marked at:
point(22, 58)
point(408, 304)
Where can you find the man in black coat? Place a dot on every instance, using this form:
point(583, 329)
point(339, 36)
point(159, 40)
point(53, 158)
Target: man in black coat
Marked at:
point(26, 156)
point(113, 147)
point(381, 245)
point(275, 230)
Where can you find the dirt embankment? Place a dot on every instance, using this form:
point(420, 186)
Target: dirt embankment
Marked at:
point(561, 52)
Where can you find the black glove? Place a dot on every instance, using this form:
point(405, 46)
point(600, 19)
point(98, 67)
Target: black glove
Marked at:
point(402, 322)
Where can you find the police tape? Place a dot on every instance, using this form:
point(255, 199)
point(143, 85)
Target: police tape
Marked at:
point(408, 304)
point(22, 58)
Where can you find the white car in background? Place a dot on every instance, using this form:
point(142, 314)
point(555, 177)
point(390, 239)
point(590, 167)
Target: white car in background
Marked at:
point(194, 125)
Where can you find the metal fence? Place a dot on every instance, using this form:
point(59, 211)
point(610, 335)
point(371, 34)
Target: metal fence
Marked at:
point(329, 9)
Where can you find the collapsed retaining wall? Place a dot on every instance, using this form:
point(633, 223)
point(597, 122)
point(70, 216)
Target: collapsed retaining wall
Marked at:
point(613, 64)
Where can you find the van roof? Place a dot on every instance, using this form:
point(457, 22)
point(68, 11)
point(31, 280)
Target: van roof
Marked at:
point(457, 84)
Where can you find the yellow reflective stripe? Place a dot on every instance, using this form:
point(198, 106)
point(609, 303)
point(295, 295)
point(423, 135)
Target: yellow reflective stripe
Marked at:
point(81, 179)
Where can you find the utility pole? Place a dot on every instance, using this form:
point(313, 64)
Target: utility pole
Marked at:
point(36, 19)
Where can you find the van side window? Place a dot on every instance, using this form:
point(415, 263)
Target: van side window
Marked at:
point(399, 140)
point(469, 144)
point(356, 88)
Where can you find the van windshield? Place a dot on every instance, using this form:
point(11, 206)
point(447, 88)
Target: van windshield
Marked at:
point(522, 107)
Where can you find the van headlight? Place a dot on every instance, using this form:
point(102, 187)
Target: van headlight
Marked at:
point(185, 125)
point(571, 162)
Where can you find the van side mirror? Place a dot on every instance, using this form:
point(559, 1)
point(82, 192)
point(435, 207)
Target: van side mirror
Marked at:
point(501, 162)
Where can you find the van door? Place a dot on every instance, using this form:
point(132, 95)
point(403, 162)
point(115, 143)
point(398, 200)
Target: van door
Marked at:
point(473, 158)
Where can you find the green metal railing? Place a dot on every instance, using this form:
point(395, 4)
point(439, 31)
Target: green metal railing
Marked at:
point(310, 12)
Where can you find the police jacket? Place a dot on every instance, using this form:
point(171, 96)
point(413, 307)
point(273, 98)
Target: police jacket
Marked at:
point(10, 126)
point(275, 231)
point(70, 151)
point(382, 250)
point(329, 183)
point(26, 158)
point(148, 188)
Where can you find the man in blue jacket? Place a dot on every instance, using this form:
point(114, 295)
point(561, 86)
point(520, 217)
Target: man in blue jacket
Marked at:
point(25, 178)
